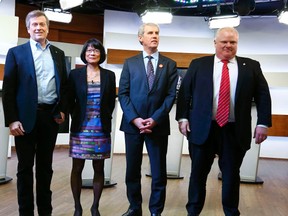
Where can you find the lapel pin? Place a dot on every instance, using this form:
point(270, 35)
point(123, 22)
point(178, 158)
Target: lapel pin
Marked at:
point(160, 65)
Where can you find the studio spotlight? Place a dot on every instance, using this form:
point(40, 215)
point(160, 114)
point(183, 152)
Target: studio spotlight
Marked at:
point(156, 16)
point(68, 4)
point(220, 21)
point(58, 15)
point(223, 20)
point(283, 15)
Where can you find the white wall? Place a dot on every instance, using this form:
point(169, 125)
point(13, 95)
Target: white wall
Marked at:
point(9, 27)
point(261, 38)
point(7, 7)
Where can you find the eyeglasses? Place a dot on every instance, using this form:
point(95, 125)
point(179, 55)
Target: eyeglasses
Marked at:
point(89, 51)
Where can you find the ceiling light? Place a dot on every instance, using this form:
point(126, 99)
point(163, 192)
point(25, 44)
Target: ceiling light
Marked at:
point(221, 21)
point(68, 4)
point(156, 16)
point(283, 15)
point(58, 15)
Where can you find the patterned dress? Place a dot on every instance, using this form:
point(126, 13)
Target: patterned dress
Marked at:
point(91, 142)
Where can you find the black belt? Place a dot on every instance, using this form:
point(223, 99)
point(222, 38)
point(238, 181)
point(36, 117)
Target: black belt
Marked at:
point(44, 106)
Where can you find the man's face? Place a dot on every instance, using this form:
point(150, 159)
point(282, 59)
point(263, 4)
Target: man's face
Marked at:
point(150, 38)
point(226, 44)
point(38, 29)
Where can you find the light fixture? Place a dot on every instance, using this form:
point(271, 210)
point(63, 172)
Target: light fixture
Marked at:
point(223, 20)
point(156, 16)
point(58, 15)
point(283, 15)
point(68, 4)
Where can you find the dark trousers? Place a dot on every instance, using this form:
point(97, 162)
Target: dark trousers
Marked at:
point(157, 149)
point(221, 141)
point(36, 147)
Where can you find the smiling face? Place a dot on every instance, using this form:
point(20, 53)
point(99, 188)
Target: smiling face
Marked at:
point(38, 29)
point(226, 43)
point(92, 55)
point(150, 38)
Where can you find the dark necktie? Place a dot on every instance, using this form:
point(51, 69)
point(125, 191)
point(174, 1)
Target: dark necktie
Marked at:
point(222, 115)
point(150, 72)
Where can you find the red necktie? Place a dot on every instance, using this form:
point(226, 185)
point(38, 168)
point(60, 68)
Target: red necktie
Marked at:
point(150, 72)
point(224, 96)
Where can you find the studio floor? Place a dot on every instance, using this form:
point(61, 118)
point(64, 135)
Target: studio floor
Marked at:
point(267, 199)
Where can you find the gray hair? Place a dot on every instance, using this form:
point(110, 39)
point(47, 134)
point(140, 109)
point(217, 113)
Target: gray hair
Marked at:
point(142, 27)
point(229, 29)
point(35, 13)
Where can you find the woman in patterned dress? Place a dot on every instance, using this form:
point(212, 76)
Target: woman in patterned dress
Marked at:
point(92, 92)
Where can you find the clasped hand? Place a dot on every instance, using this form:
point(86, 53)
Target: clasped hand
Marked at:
point(144, 125)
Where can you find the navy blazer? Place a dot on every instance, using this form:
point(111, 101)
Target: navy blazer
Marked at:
point(20, 94)
point(78, 97)
point(195, 99)
point(138, 101)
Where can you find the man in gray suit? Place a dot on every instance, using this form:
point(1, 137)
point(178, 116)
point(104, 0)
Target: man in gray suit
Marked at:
point(146, 106)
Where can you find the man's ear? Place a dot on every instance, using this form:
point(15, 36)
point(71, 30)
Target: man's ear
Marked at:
point(140, 39)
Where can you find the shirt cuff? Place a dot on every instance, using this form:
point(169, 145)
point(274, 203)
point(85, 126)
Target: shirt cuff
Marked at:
point(182, 120)
point(264, 126)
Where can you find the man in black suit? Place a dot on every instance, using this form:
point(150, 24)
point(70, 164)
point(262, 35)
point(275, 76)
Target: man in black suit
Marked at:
point(198, 119)
point(146, 118)
point(33, 92)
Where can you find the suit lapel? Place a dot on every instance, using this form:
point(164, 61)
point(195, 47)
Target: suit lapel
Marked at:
point(83, 80)
point(208, 74)
point(142, 72)
point(103, 80)
point(29, 57)
point(241, 75)
point(159, 68)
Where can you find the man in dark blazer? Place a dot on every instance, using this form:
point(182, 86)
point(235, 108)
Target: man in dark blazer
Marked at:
point(196, 113)
point(146, 118)
point(33, 101)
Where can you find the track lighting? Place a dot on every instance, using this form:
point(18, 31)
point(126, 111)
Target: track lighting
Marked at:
point(58, 15)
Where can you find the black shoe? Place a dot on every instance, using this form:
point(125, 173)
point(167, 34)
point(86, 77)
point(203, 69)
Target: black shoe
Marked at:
point(155, 214)
point(190, 214)
point(133, 212)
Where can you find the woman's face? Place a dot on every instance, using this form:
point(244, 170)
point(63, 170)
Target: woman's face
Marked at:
point(92, 55)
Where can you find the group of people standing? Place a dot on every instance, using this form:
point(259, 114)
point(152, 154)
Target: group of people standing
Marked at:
point(38, 95)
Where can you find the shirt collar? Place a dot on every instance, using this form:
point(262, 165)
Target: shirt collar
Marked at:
point(217, 60)
point(35, 45)
point(154, 55)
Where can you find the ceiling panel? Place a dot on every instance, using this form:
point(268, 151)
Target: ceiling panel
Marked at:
point(197, 8)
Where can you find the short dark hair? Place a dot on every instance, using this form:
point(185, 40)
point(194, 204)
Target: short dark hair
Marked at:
point(97, 45)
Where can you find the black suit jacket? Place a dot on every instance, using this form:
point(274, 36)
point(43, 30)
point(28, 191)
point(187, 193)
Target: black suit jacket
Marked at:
point(20, 94)
point(78, 97)
point(138, 101)
point(195, 99)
